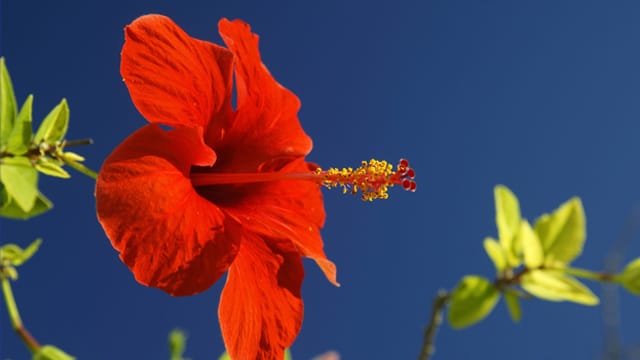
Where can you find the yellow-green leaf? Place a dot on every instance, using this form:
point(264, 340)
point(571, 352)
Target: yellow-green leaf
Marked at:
point(10, 208)
point(177, 344)
point(8, 105)
point(562, 233)
point(554, 285)
point(20, 138)
point(630, 277)
point(71, 156)
point(508, 222)
point(513, 305)
point(52, 169)
point(55, 124)
point(20, 181)
point(531, 247)
point(495, 253)
point(50, 352)
point(15, 255)
point(471, 301)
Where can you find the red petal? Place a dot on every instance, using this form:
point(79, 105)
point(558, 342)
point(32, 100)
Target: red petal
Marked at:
point(266, 123)
point(260, 309)
point(173, 78)
point(291, 210)
point(169, 236)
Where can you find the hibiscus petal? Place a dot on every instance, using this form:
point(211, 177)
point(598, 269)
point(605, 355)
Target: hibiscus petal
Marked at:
point(291, 210)
point(169, 236)
point(261, 309)
point(173, 78)
point(266, 124)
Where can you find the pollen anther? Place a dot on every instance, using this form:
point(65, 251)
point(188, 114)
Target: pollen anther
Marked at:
point(372, 179)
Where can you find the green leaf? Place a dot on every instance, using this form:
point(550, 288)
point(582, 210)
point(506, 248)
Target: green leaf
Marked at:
point(20, 180)
point(508, 222)
point(554, 285)
point(513, 305)
point(4, 196)
point(8, 105)
point(15, 255)
point(495, 253)
point(177, 344)
point(11, 210)
point(562, 233)
point(471, 301)
point(20, 138)
point(55, 124)
point(71, 156)
point(28, 252)
point(10, 272)
point(50, 352)
point(531, 247)
point(630, 277)
point(51, 168)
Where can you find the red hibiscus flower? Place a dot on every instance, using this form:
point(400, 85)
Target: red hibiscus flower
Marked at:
point(222, 189)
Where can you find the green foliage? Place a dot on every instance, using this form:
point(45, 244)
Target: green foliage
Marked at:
point(51, 168)
point(10, 208)
point(11, 254)
point(508, 223)
point(472, 300)
point(8, 105)
point(513, 305)
point(23, 154)
point(562, 233)
point(630, 277)
point(50, 352)
point(20, 181)
point(554, 285)
point(535, 260)
point(531, 246)
point(496, 253)
point(54, 126)
point(20, 137)
point(177, 344)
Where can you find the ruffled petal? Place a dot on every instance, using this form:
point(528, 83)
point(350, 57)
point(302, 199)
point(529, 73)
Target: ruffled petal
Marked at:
point(261, 309)
point(169, 236)
point(173, 78)
point(266, 123)
point(290, 209)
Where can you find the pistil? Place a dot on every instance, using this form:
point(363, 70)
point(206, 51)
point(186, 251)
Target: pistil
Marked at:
point(372, 179)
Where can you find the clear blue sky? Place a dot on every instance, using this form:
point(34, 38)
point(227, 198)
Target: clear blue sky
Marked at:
point(541, 96)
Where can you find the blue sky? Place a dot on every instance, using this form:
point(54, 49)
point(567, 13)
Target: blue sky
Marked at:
point(539, 96)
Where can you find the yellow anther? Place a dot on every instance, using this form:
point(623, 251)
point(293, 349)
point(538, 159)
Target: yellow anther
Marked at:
point(372, 179)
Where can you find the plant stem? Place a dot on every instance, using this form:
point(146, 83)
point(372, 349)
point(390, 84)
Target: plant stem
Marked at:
point(588, 274)
point(80, 142)
point(83, 169)
point(428, 345)
point(14, 315)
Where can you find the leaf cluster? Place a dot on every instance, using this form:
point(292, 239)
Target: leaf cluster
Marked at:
point(24, 154)
point(532, 261)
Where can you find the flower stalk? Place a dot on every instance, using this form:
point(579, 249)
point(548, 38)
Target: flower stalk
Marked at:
point(16, 322)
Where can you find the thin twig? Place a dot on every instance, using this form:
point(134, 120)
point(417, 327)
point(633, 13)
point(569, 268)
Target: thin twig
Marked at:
point(428, 345)
point(14, 315)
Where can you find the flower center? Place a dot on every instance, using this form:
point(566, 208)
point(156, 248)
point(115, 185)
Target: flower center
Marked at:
point(372, 179)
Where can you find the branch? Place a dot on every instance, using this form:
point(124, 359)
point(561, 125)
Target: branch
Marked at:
point(428, 345)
